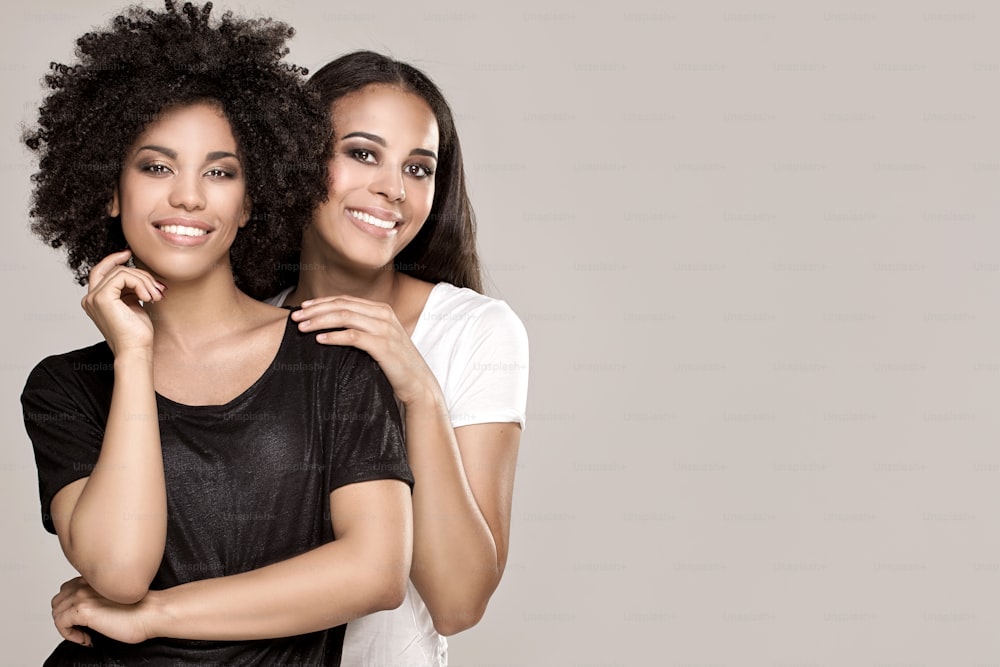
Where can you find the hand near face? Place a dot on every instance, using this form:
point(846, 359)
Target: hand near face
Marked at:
point(112, 302)
point(78, 607)
point(374, 328)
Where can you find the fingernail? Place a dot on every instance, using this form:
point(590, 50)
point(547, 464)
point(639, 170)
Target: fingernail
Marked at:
point(303, 324)
point(160, 285)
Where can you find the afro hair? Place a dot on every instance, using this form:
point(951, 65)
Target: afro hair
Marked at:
point(146, 62)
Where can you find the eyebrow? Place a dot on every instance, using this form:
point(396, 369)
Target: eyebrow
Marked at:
point(172, 154)
point(381, 142)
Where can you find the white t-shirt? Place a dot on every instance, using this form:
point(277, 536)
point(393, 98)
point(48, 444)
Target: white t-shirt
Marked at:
point(477, 349)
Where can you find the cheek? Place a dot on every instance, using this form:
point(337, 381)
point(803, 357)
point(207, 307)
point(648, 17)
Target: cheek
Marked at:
point(131, 206)
point(340, 175)
point(323, 216)
point(229, 202)
point(424, 202)
point(346, 174)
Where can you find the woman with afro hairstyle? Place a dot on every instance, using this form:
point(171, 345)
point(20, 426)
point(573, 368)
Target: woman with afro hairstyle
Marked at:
point(230, 492)
point(390, 261)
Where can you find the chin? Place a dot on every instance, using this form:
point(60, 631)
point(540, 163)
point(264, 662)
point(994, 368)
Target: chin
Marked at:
point(177, 272)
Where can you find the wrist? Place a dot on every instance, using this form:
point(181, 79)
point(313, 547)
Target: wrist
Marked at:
point(133, 356)
point(157, 612)
point(427, 397)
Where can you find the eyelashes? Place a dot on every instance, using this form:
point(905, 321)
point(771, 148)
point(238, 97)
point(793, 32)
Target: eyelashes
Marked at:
point(366, 156)
point(155, 168)
point(424, 170)
point(361, 155)
point(160, 169)
point(221, 173)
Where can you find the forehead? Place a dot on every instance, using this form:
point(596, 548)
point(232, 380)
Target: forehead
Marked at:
point(390, 112)
point(199, 122)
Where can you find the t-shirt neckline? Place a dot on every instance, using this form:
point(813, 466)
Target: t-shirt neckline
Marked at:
point(243, 395)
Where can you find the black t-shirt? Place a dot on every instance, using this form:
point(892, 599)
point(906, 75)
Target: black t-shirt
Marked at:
point(248, 483)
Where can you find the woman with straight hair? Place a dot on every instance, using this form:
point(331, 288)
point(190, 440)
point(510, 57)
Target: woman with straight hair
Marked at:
point(390, 263)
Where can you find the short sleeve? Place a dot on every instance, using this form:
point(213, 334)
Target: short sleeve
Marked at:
point(492, 382)
point(65, 425)
point(365, 431)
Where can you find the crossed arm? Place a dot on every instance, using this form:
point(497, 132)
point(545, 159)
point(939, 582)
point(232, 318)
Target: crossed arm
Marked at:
point(364, 570)
point(112, 524)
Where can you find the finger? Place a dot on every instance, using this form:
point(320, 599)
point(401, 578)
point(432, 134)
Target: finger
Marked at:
point(153, 288)
point(344, 313)
point(64, 602)
point(124, 280)
point(101, 269)
point(69, 629)
point(67, 588)
point(340, 320)
point(342, 297)
point(67, 613)
point(328, 304)
point(349, 338)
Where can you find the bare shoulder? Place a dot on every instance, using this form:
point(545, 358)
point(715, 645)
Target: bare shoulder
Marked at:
point(264, 316)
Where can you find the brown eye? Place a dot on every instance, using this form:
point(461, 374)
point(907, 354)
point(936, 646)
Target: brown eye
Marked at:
point(156, 169)
point(419, 170)
point(362, 155)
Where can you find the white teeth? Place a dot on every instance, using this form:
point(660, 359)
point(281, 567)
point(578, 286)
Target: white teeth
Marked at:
point(183, 231)
point(372, 220)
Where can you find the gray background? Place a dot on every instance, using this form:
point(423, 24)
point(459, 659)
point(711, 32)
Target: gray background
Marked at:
point(755, 248)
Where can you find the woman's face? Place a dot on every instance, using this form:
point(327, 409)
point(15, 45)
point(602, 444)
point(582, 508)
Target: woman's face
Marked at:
point(381, 176)
point(181, 194)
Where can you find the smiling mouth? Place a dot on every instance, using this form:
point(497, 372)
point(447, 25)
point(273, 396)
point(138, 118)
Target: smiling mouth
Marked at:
point(371, 219)
point(182, 230)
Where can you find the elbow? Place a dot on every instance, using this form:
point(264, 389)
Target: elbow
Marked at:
point(451, 621)
point(121, 583)
point(120, 590)
point(124, 578)
point(132, 596)
point(458, 606)
point(460, 610)
point(388, 592)
point(392, 597)
point(386, 598)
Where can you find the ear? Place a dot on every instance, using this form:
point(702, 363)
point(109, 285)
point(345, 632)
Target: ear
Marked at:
point(247, 209)
point(114, 208)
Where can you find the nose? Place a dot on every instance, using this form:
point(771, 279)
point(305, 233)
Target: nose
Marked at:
point(187, 193)
point(389, 184)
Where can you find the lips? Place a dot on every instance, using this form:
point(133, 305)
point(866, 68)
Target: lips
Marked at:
point(375, 217)
point(183, 231)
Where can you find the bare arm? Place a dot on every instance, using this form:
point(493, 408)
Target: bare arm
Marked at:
point(464, 477)
point(363, 571)
point(461, 512)
point(112, 525)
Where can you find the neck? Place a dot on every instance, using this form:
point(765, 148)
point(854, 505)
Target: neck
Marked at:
point(199, 309)
point(322, 276)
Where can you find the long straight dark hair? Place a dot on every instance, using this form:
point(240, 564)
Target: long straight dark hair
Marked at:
point(445, 248)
